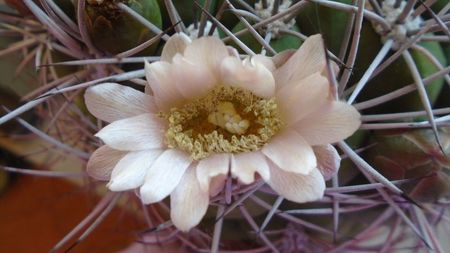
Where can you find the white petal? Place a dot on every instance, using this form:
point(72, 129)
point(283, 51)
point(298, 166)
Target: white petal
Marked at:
point(248, 74)
point(297, 187)
point(289, 151)
point(176, 44)
point(164, 175)
point(192, 80)
point(162, 81)
point(209, 51)
point(332, 123)
point(299, 100)
point(328, 160)
point(244, 166)
point(129, 173)
point(188, 202)
point(102, 162)
point(308, 59)
point(145, 131)
point(210, 167)
point(111, 101)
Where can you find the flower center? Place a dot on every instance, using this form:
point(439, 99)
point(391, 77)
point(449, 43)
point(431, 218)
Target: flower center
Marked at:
point(226, 117)
point(226, 120)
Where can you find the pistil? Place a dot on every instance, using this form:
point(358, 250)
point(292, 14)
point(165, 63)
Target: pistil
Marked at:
point(226, 117)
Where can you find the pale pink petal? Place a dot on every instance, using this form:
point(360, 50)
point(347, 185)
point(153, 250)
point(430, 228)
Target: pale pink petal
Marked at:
point(148, 90)
point(102, 162)
point(129, 173)
point(334, 67)
point(164, 175)
point(176, 44)
point(328, 160)
point(188, 202)
point(244, 165)
point(297, 187)
point(289, 151)
point(162, 81)
point(233, 52)
point(216, 185)
point(248, 74)
point(281, 58)
point(309, 58)
point(192, 80)
point(209, 51)
point(145, 131)
point(299, 100)
point(332, 123)
point(210, 167)
point(111, 101)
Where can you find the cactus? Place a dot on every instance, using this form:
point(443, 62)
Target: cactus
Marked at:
point(389, 59)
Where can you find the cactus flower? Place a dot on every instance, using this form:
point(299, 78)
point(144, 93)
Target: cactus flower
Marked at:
point(206, 114)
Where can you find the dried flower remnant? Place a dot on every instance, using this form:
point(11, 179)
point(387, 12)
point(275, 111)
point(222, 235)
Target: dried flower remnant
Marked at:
point(193, 30)
point(207, 114)
point(266, 9)
point(399, 31)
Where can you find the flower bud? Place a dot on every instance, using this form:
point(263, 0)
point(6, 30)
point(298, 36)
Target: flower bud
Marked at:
point(415, 155)
point(114, 31)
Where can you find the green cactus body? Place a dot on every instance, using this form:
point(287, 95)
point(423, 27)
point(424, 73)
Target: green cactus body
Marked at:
point(284, 42)
point(330, 23)
point(189, 12)
point(439, 5)
point(396, 76)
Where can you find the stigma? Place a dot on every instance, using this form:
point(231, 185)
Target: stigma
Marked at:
point(226, 117)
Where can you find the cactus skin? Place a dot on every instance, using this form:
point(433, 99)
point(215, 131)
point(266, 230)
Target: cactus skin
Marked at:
point(330, 23)
point(188, 10)
point(280, 44)
point(114, 31)
point(396, 76)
